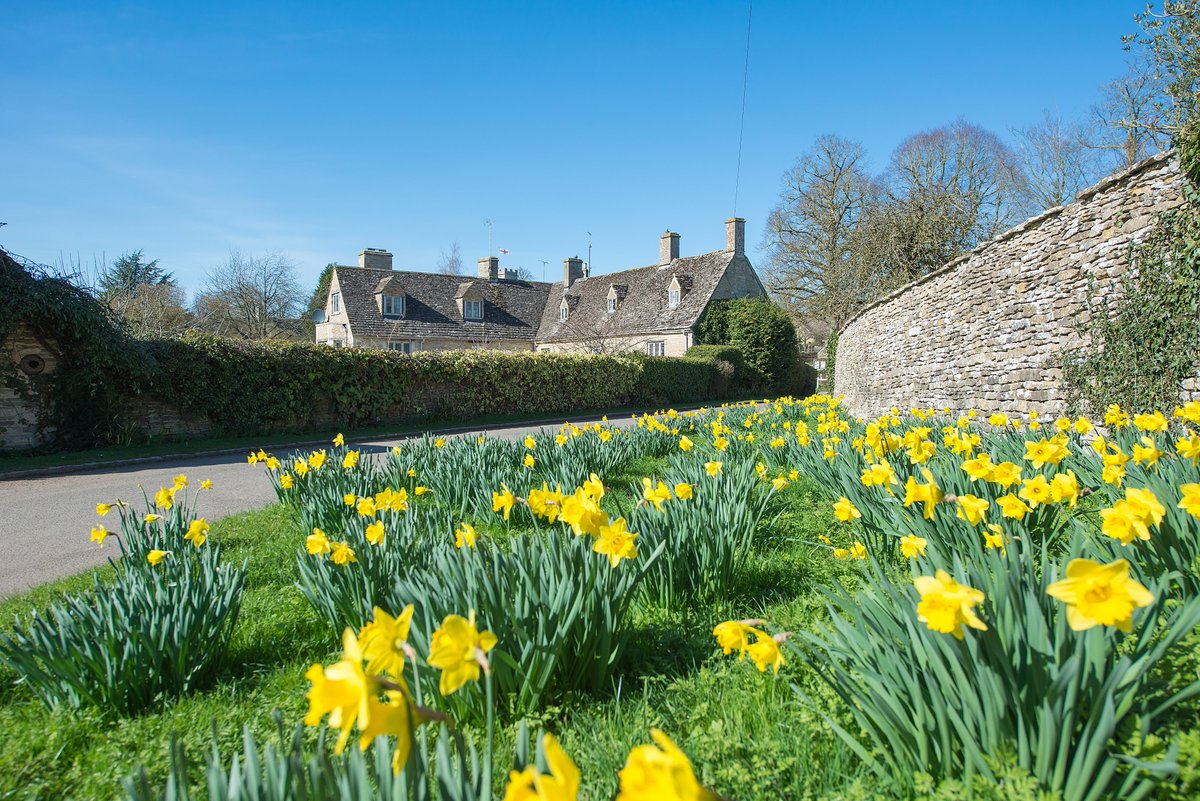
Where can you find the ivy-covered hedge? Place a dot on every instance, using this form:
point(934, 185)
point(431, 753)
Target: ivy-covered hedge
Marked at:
point(251, 387)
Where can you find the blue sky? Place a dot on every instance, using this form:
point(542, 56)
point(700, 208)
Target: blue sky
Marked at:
point(314, 130)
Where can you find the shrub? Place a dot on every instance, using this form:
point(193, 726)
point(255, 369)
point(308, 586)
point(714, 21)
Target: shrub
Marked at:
point(119, 646)
point(162, 626)
point(763, 333)
point(668, 379)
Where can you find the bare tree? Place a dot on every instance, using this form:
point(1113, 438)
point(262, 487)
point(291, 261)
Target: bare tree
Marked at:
point(451, 262)
point(815, 271)
point(251, 297)
point(949, 189)
point(1131, 119)
point(152, 310)
point(1056, 160)
point(1170, 42)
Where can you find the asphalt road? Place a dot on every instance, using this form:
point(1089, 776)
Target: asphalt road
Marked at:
point(45, 522)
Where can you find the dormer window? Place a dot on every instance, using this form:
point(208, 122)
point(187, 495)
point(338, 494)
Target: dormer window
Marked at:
point(563, 312)
point(675, 290)
point(616, 293)
point(392, 306)
point(472, 309)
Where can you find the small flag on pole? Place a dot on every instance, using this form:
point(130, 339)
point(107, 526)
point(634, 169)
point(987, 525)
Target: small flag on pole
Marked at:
point(503, 251)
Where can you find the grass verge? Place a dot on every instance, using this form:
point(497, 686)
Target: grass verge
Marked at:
point(745, 730)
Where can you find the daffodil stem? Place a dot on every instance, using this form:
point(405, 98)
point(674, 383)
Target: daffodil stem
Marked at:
point(485, 789)
point(421, 737)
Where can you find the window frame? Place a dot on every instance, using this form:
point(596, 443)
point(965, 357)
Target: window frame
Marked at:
point(611, 305)
point(564, 312)
point(391, 301)
point(467, 304)
point(673, 297)
point(407, 348)
point(335, 302)
point(656, 347)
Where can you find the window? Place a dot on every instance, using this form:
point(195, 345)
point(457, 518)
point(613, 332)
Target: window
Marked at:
point(402, 347)
point(612, 305)
point(673, 298)
point(338, 343)
point(656, 348)
point(562, 313)
point(393, 305)
point(472, 309)
point(335, 302)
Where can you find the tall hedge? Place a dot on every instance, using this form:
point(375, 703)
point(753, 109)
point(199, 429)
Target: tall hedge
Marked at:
point(765, 336)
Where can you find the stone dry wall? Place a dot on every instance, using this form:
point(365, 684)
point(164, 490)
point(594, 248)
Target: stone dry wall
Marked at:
point(988, 330)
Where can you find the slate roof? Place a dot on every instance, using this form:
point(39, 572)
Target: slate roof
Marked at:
point(643, 309)
point(511, 309)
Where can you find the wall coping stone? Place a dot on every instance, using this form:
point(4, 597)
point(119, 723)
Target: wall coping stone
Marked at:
point(1105, 183)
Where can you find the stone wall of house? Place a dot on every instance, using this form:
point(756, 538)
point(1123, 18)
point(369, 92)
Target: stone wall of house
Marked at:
point(988, 330)
point(675, 344)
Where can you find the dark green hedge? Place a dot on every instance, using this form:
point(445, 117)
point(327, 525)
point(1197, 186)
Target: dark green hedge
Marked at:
point(251, 387)
point(667, 379)
point(765, 336)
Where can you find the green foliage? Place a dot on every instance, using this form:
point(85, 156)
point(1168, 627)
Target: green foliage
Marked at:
point(319, 296)
point(298, 771)
point(667, 379)
point(78, 400)
point(561, 612)
point(830, 362)
point(764, 334)
point(707, 538)
point(156, 629)
point(120, 645)
point(130, 272)
point(1145, 344)
point(249, 387)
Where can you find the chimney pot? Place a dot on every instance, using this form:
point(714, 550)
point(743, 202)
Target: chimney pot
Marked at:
point(572, 271)
point(375, 259)
point(735, 235)
point(668, 248)
point(489, 268)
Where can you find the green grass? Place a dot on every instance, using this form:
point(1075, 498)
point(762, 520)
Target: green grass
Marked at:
point(746, 732)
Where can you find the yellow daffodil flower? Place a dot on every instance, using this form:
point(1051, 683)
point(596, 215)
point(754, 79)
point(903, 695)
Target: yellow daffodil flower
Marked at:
point(383, 640)
point(317, 544)
point(912, 546)
point(661, 773)
point(464, 536)
point(457, 649)
point(946, 606)
point(615, 542)
point(1099, 595)
point(197, 532)
point(156, 557)
point(342, 554)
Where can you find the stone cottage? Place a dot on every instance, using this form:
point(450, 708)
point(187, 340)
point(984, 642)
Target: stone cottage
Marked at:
point(652, 309)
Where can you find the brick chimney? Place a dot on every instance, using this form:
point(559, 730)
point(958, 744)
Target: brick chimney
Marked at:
point(735, 235)
point(375, 259)
point(572, 271)
point(489, 268)
point(668, 248)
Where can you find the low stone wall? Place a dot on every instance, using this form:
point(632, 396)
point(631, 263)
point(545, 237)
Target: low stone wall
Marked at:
point(988, 330)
